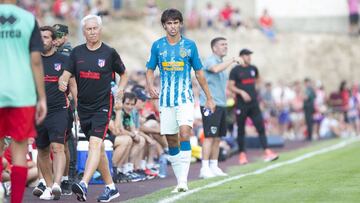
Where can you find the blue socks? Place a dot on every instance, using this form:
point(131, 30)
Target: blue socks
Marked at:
point(174, 151)
point(185, 146)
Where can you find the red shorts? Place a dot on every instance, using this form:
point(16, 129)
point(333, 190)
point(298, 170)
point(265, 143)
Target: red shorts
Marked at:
point(17, 122)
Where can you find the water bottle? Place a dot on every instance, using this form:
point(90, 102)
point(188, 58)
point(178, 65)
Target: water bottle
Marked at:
point(207, 111)
point(163, 165)
point(114, 89)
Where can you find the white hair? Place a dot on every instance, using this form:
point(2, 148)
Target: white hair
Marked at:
point(91, 16)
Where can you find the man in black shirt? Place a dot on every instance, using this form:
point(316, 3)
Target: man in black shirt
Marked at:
point(64, 47)
point(52, 132)
point(94, 65)
point(309, 108)
point(242, 82)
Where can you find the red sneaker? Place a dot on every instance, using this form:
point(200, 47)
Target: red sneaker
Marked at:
point(242, 158)
point(269, 155)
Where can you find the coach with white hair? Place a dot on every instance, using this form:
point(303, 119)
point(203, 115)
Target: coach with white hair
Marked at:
point(94, 65)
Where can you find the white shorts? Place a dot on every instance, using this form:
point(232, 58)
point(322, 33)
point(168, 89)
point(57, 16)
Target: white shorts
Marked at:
point(173, 117)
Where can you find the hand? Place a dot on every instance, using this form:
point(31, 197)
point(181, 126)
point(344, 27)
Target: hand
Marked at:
point(153, 92)
point(136, 138)
point(210, 104)
point(238, 60)
point(246, 97)
point(62, 85)
point(118, 105)
point(41, 111)
point(120, 95)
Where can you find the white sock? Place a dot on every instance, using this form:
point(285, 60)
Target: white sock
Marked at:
point(205, 163)
point(213, 163)
point(86, 185)
point(111, 186)
point(185, 162)
point(130, 167)
point(143, 164)
point(64, 178)
point(176, 165)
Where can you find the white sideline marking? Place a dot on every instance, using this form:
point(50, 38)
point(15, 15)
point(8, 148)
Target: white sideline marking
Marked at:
point(262, 170)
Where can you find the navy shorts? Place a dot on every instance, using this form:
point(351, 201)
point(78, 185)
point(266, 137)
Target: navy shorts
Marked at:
point(53, 129)
point(94, 124)
point(215, 123)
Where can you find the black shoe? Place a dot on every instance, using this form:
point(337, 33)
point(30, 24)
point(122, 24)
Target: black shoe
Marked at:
point(39, 189)
point(66, 187)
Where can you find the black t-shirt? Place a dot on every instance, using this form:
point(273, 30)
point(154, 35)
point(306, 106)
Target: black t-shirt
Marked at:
point(245, 79)
point(54, 66)
point(94, 71)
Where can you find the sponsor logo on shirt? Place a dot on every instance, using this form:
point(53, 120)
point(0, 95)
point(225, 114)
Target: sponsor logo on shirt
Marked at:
point(57, 66)
point(90, 75)
point(101, 63)
point(173, 65)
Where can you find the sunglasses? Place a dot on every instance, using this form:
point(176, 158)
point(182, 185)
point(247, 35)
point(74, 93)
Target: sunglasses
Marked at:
point(59, 34)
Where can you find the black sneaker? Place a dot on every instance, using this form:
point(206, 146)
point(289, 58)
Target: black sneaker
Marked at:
point(122, 178)
point(66, 187)
point(80, 190)
point(39, 189)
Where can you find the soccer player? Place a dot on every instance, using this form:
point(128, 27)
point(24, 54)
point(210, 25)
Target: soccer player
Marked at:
point(94, 65)
point(175, 55)
point(242, 82)
point(51, 134)
point(215, 123)
point(22, 91)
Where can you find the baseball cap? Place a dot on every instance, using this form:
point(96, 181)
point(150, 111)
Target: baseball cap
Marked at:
point(61, 30)
point(245, 52)
point(141, 94)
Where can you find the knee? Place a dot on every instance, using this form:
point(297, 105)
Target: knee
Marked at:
point(95, 144)
point(142, 142)
point(57, 148)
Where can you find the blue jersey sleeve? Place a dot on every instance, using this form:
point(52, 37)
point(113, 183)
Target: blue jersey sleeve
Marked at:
point(152, 62)
point(195, 59)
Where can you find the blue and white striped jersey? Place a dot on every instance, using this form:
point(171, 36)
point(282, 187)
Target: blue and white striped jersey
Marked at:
point(175, 62)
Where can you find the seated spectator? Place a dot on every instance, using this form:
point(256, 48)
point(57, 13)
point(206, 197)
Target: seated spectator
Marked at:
point(330, 126)
point(209, 16)
point(266, 25)
point(236, 19)
point(225, 14)
point(126, 163)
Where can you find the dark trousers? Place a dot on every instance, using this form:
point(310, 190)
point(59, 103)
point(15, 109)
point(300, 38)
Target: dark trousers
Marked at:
point(252, 111)
point(309, 111)
point(73, 156)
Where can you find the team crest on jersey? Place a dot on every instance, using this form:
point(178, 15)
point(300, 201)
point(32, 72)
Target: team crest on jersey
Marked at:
point(252, 73)
point(183, 52)
point(57, 66)
point(101, 63)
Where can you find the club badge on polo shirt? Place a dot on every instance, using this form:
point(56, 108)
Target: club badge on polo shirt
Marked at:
point(101, 63)
point(213, 129)
point(57, 66)
point(252, 73)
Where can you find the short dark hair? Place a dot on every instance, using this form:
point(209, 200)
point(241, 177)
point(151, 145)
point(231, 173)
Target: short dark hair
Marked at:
point(130, 96)
point(50, 29)
point(171, 14)
point(215, 40)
